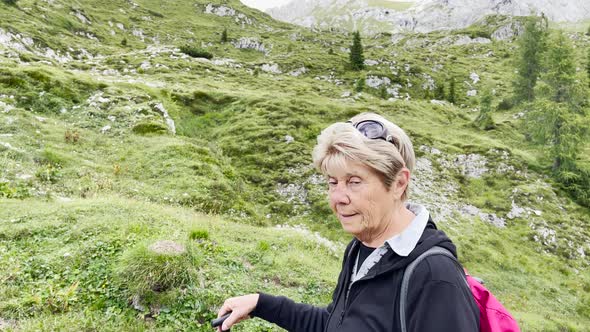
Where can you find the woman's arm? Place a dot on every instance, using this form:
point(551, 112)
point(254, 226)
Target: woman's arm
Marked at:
point(280, 310)
point(290, 315)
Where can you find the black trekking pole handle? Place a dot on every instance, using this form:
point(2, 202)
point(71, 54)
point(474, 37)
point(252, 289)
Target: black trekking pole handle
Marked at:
point(218, 321)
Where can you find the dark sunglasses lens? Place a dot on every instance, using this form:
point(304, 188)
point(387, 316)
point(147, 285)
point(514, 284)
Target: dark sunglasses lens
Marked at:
point(370, 129)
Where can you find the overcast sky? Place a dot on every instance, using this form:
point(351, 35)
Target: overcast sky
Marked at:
point(264, 4)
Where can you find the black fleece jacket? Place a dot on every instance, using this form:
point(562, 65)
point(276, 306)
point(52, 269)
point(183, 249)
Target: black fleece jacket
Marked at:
point(436, 299)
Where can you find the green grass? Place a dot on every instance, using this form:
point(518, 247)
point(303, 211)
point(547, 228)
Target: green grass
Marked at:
point(98, 245)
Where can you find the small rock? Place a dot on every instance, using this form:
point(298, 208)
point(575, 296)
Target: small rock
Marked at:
point(470, 210)
point(5, 324)
point(24, 176)
point(298, 72)
point(581, 252)
point(493, 219)
point(375, 81)
point(518, 115)
point(371, 62)
point(167, 247)
point(136, 303)
point(515, 212)
point(271, 68)
point(104, 129)
point(5, 107)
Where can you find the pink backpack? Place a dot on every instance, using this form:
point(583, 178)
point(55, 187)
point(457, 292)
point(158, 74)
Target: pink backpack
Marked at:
point(493, 317)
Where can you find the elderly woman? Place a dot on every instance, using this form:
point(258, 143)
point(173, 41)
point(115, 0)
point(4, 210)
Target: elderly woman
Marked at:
point(368, 162)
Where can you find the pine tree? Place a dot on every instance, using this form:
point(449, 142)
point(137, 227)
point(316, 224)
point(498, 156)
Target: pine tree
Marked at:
point(556, 126)
point(439, 92)
point(359, 85)
point(484, 120)
point(357, 60)
point(560, 74)
point(528, 62)
point(451, 95)
point(559, 121)
point(224, 35)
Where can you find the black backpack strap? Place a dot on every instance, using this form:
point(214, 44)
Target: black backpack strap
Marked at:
point(408, 274)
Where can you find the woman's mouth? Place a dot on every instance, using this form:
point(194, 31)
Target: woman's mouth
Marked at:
point(345, 216)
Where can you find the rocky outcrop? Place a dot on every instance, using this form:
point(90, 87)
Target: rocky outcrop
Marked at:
point(508, 32)
point(251, 43)
point(221, 10)
point(159, 107)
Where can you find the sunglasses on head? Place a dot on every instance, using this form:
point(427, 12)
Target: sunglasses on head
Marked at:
point(374, 130)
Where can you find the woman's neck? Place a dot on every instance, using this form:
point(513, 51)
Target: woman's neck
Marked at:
point(398, 221)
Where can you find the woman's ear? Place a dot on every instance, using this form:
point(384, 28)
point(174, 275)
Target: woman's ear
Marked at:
point(401, 182)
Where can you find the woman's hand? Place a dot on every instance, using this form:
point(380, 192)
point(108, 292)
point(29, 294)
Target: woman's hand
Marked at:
point(240, 308)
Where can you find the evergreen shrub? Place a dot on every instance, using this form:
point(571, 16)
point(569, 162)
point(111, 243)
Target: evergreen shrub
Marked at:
point(196, 52)
point(149, 127)
point(506, 104)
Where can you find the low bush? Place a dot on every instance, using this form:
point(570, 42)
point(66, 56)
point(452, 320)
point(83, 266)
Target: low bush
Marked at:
point(195, 52)
point(506, 104)
point(150, 127)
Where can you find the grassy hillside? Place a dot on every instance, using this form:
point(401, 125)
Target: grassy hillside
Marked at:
point(113, 141)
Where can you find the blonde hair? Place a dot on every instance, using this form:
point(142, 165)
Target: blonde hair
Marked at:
point(341, 142)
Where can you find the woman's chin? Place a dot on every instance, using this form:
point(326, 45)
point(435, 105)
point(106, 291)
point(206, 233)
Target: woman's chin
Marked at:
point(351, 226)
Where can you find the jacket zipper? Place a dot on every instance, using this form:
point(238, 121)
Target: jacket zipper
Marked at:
point(338, 298)
point(345, 305)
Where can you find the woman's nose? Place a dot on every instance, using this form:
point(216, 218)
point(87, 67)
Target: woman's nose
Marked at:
point(339, 195)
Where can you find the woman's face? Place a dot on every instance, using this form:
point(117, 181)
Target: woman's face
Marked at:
point(360, 200)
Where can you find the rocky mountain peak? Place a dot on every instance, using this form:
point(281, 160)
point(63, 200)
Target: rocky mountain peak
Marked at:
point(421, 15)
